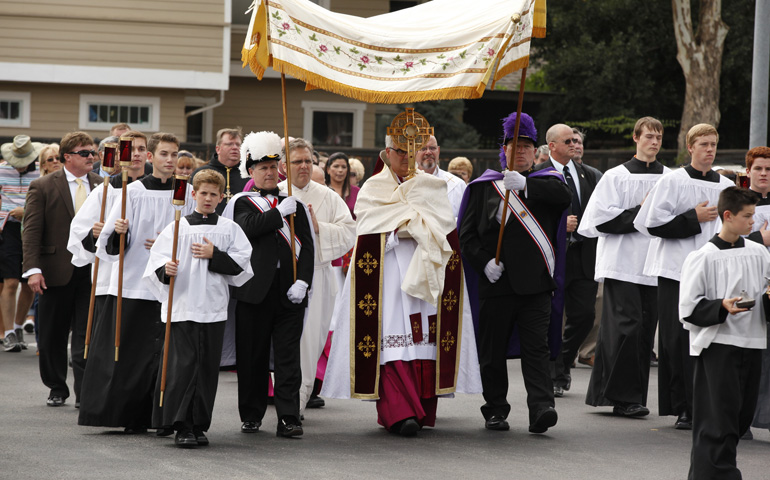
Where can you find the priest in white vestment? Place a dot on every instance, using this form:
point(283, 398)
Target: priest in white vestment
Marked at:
point(335, 234)
point(409, 234)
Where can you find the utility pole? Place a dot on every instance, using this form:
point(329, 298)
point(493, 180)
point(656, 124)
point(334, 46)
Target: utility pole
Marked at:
point(760, 75)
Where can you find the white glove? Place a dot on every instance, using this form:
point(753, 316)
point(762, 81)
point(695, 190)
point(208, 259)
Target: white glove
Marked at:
point(493, 271)
point(392, 241)
point(514, 180)
point(297, 291)
point(288, 206)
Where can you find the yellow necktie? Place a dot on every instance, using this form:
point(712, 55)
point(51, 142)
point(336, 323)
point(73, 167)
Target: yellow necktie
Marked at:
point(80, 195)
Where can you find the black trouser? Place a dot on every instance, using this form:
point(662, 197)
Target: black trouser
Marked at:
point(726, 384)
point(580, 309)
point(531, 314)
point(255, 326)
point(621, 370)
point(61, 309)
point(674, 361)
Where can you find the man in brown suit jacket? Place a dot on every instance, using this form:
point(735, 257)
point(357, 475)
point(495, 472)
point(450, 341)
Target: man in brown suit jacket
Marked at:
point(63, 288)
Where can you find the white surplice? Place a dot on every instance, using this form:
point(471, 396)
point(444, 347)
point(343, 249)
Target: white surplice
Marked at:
point(675, 193)
point(711, 273)
point(199, 294)
point(619, 256)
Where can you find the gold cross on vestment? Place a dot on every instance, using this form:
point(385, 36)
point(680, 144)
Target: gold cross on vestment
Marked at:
point(366, 346)
point(450, 300)
point(448, 341)
point(368, 263)
point(410, 131)
point(368, 304)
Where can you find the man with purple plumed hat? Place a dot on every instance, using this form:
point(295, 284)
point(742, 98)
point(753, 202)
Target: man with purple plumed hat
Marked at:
point(517, 292)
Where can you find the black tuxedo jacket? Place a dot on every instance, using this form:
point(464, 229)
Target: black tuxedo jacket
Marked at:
point(268, 246)
point(525, 269)
point(588, 181)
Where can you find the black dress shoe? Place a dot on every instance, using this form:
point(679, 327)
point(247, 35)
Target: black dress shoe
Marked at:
point(185, 439)
point(164, 432)
point(289, 427)
point(497, 422)
point(250, 427)
point(316, 402)
point(558, 392)
point(55, 401)
point(201, 438)
point(630, 410)
point(409, 428)
point(683, 422)
point(544, 420)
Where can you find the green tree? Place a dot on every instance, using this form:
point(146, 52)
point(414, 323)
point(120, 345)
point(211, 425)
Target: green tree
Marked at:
point(617, 58)
point(445, 116)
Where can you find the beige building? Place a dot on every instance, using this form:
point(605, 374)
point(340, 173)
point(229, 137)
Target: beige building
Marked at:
point(161, 65)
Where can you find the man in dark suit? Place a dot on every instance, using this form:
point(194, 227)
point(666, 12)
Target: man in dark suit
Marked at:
point(270, 307)
point(580, 287)
point(517, 291)
point(64, 289)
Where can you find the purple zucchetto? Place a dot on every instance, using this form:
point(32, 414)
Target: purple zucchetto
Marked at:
point(526, 130)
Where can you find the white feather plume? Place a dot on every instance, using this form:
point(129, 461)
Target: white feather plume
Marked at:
point(258, 145)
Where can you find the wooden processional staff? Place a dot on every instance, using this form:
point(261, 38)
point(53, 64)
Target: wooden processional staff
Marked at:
point(178, 200)
point(409, 132)
point(108, 165)
point(125, 151)
point(510, 161)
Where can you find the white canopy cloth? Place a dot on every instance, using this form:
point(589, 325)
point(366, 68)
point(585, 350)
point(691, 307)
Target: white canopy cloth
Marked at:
point(441, 49)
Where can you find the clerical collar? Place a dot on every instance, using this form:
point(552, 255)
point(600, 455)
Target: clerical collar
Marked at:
point(152, 182)
point(710, 176)
point(723, 245)
point(197, 218)
point(762, 200)
point(117, 180)
point(637, 166)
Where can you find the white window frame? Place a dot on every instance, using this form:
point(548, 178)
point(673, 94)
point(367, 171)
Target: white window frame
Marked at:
point(208, 118)
point(130, 101)
point(22, 97)
point(357, 109)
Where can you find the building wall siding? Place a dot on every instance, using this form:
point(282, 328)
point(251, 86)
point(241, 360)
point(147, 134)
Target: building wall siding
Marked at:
point(55, 109)
point(167, 34)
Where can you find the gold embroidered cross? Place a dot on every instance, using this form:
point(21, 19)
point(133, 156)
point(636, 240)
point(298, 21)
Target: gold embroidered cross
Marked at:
point(453, 261)
point(448, 341)
point(368, 263)
point(228, 196)
point(366, 346)
point(368, 305)
point(432, 327)
point(450, 300)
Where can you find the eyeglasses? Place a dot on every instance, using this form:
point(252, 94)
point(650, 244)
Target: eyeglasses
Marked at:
point(398, 151)
point(51, 159)
point(570, 140)
point(300, 162)
point(84, 153)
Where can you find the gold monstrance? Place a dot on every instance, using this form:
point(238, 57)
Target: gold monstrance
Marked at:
point(410, 131)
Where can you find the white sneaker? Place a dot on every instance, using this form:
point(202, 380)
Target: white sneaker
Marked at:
point(10, 343)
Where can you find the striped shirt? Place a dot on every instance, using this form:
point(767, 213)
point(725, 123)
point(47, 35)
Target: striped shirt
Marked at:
point(15, 186)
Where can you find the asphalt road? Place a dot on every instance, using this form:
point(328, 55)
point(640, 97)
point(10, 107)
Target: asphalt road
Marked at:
point(343, 441)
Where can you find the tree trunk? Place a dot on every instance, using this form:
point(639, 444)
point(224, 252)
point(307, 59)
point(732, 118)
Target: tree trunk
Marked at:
point(699, 53)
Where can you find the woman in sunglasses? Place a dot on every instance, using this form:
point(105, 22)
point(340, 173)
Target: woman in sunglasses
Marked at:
point(49, 159)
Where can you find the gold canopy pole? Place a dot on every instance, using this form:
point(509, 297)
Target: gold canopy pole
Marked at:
point(288, 169)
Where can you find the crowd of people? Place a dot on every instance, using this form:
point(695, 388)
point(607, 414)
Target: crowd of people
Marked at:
point(284, 264)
